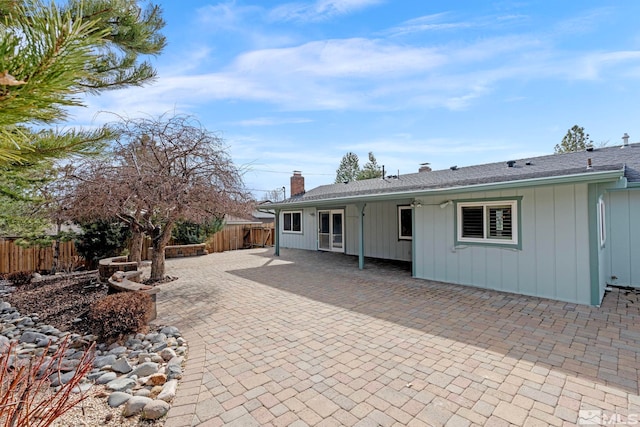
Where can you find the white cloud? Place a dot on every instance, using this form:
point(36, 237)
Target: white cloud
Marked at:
point(441, 22)
point(427, 23)
point(226, 16)
point(271, 121)
point(319, 10)
point(355, 58)
point(369, 74)
point(595, 65)
point(585, 22)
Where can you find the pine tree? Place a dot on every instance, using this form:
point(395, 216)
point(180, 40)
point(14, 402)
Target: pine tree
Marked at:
point(371, 169)
point(51, 53)
point(349, 168)
point(574, 140)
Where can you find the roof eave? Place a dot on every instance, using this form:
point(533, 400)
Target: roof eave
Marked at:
point(591, 177)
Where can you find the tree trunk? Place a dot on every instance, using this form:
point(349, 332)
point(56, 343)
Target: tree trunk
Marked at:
point(160, 240)
point(56, 250)
point(137, 238)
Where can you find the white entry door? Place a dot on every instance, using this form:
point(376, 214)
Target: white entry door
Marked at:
point(331, 230)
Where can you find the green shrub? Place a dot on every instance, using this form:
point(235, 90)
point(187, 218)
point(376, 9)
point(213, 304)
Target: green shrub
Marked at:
point(20, 278)
point(188, 233)
point(101, 239)
point(119, 314)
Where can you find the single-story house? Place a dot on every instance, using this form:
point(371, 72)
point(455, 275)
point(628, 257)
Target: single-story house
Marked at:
point(562, 226)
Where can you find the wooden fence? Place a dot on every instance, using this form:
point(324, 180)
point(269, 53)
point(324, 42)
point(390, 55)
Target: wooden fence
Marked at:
point(38, 258)
point(241, 236)
point(35, 258)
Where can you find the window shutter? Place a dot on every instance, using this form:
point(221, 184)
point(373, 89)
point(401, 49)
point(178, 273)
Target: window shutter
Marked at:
point(500, 222)
point(472, 222)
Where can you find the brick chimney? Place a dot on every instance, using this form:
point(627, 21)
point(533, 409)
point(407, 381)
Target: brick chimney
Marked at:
point(424, 167)
point(297, 184)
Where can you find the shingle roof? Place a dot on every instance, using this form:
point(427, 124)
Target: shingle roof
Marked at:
point(625, 159)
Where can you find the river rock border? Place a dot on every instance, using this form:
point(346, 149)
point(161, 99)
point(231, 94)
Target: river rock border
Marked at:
point(140, 372)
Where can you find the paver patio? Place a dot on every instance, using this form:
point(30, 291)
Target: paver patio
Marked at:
point(308, 339)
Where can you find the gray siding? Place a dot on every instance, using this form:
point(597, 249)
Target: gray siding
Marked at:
point(553, 261)
point(305, 240)
point(623, 239)
point(380, 231)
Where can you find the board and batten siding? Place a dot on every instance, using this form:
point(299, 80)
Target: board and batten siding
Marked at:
point(380, 231)
point(623, 239)
point(308, 239)
point(553, 261)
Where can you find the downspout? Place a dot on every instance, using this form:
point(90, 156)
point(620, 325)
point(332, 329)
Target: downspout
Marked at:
point(361, 207)
point(594, 244)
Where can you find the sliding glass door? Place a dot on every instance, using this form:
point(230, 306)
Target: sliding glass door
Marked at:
point(331, 230)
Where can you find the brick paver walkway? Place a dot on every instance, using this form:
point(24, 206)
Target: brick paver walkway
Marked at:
point(308, 339)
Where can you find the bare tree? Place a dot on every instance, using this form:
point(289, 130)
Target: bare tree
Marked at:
point(275, 195)
point(162, 171)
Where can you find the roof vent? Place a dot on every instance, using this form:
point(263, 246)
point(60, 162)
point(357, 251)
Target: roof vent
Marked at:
point(454, 168)
point(589, 164)
point(529, 163)
point(589, 148)
point(625, 140)
point(510, 163)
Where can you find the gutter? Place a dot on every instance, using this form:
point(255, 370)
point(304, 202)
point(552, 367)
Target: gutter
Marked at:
point(583, 177)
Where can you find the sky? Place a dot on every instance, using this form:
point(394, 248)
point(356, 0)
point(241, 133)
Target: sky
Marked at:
point(296, 85)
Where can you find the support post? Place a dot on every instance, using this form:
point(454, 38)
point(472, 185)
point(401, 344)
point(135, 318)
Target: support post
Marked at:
point(276, 237)
point(360, 207)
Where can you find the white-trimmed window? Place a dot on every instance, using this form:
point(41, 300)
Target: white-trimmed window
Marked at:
point(488, 222)
point(602, 229)
point(292, 222)
point(405, 223)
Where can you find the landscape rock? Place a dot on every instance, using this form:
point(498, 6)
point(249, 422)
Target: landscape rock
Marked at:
point(121, 384)
point(145, 369)
point(118, 398)
point(102, 361)
point(31, 337)
point(135, 370)
point(118, 350)
point(156, 358)
point(121, 366)
point(107, 377)
point(135, 405)
point(4, 344)
point(158, 347)
point(156, 338)
point(156, 390)
point(155, 409)
point(167, 354)
point(174, 372)
point(168, 391)
point(156, 379)
point(60, 379)
point(143, 392)
point(170, 331)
